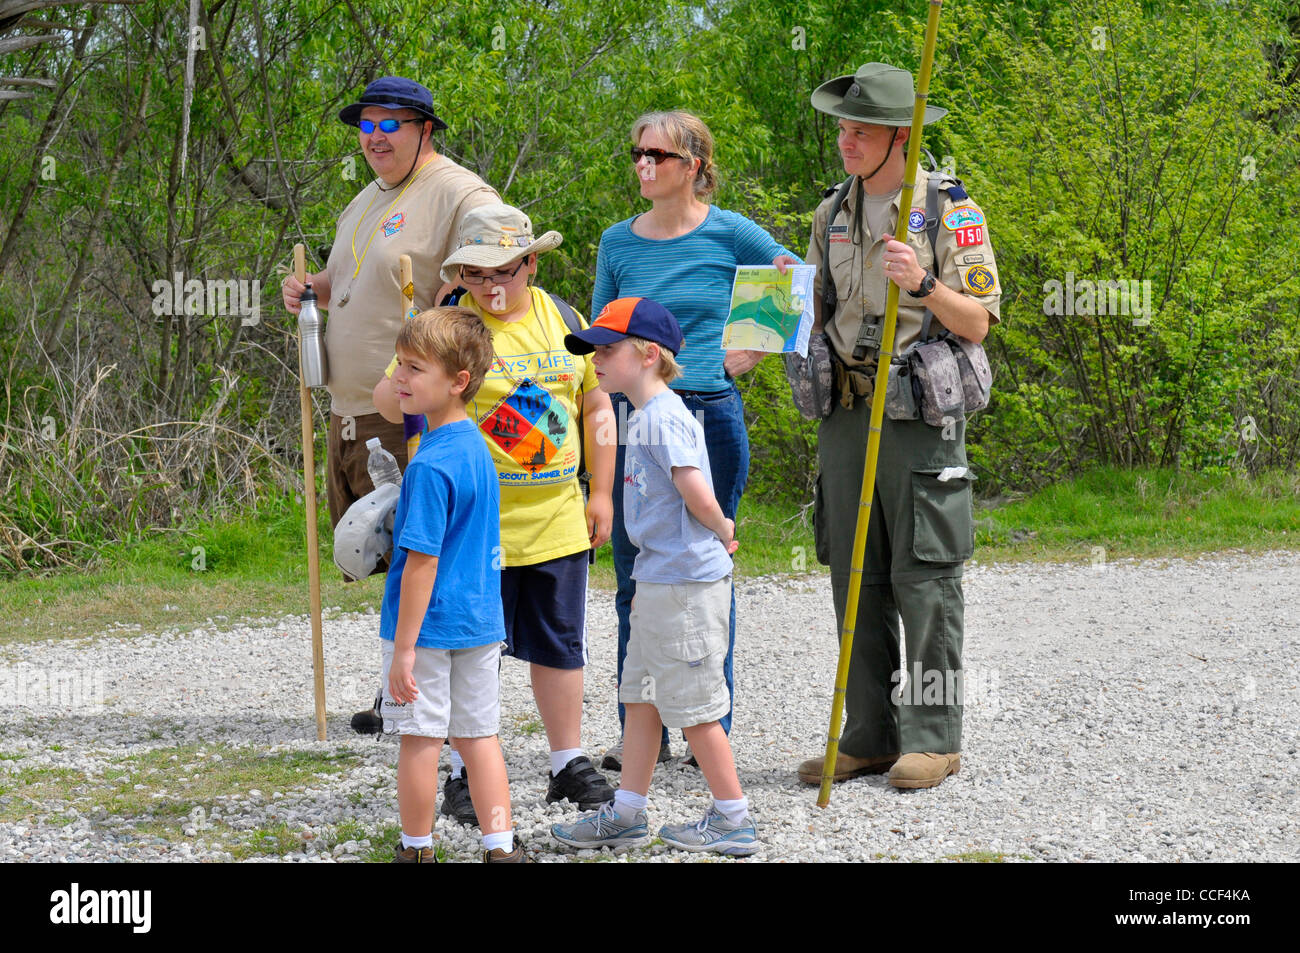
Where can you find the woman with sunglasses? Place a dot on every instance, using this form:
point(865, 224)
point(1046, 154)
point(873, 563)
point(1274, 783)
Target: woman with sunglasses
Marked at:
point(683, 253)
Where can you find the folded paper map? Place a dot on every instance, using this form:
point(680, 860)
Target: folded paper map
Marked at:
point(770, 311)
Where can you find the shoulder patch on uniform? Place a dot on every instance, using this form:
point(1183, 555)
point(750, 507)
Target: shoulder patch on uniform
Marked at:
point(971, 259)
point(956, 192)
point(979, 280)
point(916, 220)
point(827, 193)
point(963, 215)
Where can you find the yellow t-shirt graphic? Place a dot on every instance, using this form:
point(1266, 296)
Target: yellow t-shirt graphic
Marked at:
point(527, 410)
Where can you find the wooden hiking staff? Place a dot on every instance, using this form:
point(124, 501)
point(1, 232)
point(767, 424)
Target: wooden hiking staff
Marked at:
point(877, 415)
point(412, 424)
point(309, 497)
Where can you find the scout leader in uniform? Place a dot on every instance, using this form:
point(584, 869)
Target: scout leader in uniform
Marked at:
point(921, 526)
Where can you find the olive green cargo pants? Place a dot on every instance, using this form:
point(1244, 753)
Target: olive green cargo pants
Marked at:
point(922, 531)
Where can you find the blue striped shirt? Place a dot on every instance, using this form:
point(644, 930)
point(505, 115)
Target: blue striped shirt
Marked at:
point(691, 276)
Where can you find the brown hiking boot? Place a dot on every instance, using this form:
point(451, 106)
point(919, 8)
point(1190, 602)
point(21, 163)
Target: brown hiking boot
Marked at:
point(499, 856)
point(414, 855)
point(846, 766)
point(923, 769)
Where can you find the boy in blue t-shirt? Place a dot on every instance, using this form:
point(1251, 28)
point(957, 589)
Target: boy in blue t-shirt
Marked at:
point(673, 675)
point(441, 620)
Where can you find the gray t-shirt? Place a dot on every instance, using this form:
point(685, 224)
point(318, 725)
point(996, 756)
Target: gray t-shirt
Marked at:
point(674, 547)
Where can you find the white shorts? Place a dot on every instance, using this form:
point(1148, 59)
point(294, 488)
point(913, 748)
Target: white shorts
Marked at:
point(459, 693)
point(677, 649)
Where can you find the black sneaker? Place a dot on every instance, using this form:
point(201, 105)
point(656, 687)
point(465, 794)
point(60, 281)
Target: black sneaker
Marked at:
point(456, 802)
point(580, 783)
point(369, 722)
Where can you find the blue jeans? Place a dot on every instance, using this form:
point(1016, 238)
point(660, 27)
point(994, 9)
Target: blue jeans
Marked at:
point(723, 417)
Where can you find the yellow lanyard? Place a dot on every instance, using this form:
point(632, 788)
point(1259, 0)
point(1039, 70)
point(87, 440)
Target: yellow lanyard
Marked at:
point(383, 218)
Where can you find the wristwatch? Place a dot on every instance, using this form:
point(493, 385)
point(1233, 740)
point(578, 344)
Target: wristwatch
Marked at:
point(927, 286)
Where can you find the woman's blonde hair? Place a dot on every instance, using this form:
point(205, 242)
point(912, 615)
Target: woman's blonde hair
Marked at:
point(688, 135)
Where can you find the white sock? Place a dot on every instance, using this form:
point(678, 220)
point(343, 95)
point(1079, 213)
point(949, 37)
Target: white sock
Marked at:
point(457, 763)
point(505, 841)
point(560, 758)
point(409, 841)
point(734, 811)
point(627, 803)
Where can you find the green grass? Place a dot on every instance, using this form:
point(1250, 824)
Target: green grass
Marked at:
point(166, 785)
point(255, 565)
point(982, 857)
point(1113, 514)
point(157, 795)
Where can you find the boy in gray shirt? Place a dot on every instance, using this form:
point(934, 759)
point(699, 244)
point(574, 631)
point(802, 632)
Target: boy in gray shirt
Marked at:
point(673, 674)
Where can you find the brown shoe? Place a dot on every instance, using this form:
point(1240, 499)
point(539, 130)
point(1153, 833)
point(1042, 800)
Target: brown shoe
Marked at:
point(923, 770)
point(846, 766)
point(414, 855)
point(499, 856)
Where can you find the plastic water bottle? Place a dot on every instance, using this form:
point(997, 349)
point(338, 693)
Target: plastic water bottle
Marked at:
point(382, 465)
point(311, 339)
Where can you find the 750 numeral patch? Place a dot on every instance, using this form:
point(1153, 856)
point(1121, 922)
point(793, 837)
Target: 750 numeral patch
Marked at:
point(970, 235)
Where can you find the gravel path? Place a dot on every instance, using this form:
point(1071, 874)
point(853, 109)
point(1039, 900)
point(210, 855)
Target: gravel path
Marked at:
point(1140, 711)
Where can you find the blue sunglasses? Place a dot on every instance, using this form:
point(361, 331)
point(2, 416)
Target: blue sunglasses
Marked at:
point(386, 125)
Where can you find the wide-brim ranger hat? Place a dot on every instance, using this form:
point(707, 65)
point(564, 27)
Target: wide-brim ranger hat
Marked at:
point(628, 317)
point(495, 235)
point(877, 93)
point(393, 92)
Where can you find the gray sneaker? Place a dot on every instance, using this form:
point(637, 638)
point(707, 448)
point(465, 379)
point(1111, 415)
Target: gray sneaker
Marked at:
point(713, 833)
point(603, 828)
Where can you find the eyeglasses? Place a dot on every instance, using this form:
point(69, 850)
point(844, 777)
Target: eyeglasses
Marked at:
point(386, 125)
point(654, 155)
point(496, 278)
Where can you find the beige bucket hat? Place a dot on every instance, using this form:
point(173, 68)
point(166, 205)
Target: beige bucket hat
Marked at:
point(492, 236)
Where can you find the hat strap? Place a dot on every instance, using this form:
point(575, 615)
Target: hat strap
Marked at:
point(888, 153)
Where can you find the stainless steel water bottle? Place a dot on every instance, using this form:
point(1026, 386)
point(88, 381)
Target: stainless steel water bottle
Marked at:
point(311, 341)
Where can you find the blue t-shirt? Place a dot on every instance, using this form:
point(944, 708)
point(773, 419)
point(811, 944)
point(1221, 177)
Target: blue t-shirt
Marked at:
point(450, 508)
point(672, 545)
point(691, 276)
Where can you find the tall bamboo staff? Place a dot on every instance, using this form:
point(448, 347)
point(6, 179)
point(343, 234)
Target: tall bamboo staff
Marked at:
point(309, 496)
point(877, 415)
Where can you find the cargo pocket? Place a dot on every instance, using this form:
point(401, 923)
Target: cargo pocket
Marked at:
point(821, 535)
point(943, 527)
point(690, 684)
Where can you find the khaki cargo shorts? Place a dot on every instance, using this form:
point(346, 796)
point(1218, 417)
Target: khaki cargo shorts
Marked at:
point(677, 649)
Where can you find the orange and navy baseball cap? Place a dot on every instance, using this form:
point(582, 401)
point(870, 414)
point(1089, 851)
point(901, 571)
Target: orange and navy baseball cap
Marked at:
point(629, 317)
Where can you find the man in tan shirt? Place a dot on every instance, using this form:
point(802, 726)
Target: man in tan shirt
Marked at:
point(921, 524)
point(414, 208)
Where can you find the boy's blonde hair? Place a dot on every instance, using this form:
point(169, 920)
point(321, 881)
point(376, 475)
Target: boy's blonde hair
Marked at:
point(688, 135)
point(456, 338)
point(668, 368)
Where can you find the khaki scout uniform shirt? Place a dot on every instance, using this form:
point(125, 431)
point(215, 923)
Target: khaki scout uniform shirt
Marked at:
point(423, 223)
point(855, 261)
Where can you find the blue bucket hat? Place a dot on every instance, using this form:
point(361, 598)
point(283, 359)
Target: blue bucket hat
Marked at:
point(394, 92)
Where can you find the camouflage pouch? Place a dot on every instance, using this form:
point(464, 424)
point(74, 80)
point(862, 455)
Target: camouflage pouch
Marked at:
point(942, 397)
point(976, 374)
point(900, 398)
point(812, 378)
